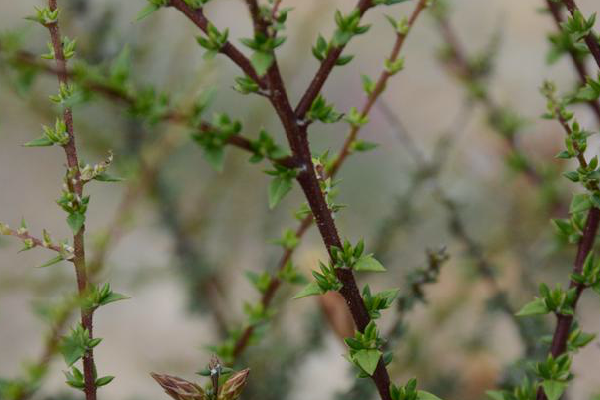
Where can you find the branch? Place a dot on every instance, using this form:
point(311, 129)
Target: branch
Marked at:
point(30, 241)
point(77, 188)
point(590, 40)
point(244, 339)
point(325, 69)
point(173, 116)
point(260, 25)
point(565, 322)
point(416, 282)
point(578, 64)
point(308, 181)
point(228, 49)
point(379, 88)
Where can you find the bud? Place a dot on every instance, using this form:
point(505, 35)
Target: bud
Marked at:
point(232, 389)
point(178, 388)
point(214, 366)
point(47, 242)
point(23, 229)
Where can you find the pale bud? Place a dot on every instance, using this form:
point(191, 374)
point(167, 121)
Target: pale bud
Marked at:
point(179, 389)
point(232, 389)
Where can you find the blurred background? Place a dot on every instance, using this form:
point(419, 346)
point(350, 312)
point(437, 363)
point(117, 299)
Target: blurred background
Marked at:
point(178, 237)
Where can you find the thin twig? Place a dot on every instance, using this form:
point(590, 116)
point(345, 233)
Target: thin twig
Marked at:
point(199, 19)
point(325, 69)
point(108, 91)
point(31, 240)
point(590, 39)
point(77, 187)
point(578, 63)
point(564, 322)
point(379, 87)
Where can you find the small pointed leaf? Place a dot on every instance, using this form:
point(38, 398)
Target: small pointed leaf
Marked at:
point(368, 263)
point(367, 359)
point(312, 289)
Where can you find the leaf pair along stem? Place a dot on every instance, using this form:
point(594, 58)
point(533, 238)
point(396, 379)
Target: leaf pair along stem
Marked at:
point(296, 130)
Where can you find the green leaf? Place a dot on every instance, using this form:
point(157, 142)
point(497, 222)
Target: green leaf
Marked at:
point(105, 380)
point(595, 200)
point(312, 289)
point(215, 156)
point(104, 177)
point(587, 93)
point(367, 359)
point(580, 203)
point(40, 142)
point(112, 297)
point(72, 350)
point(279, 187)
point(535, 307)
point(261, 61)
point(52, 261)
point(76, 221)
point(423, 395)
point(368, 263)
point(149, 9)
point(554, 389)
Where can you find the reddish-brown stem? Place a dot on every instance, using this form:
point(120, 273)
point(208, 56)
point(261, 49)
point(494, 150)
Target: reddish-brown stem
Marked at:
point(260, 25)
point(243, 341)
point(275, 9)
point(324, 70)
point(578, 63)
point(297, 136)
point(378, 90)
point(228, 49)
point(34, 241)
point(590, 40)
point(77, 187)
point(298, 140)
point(174, 116)
point(565, 322)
